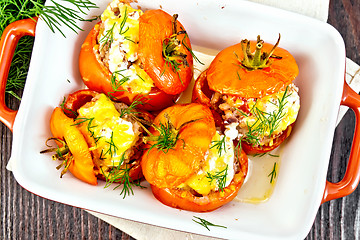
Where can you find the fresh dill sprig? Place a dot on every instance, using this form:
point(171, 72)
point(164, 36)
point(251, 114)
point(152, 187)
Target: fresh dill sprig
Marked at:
point(206, 223)
point(219, 177)
point(219, 145)
point(57, 15)
point(272, 174)
point(13, 10)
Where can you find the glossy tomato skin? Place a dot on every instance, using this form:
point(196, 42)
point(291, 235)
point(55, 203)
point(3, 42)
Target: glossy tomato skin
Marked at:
point(76, 100)
point(165, 171)
point(156, 26)
point(169, 168)
point(226, 76)
point(187, 200)
point(97, 77)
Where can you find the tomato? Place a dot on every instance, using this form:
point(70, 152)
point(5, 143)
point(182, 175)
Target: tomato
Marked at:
point(85, 165)
point(226, 75)
point(82, 166)
point(76, 100)
point(164, 53)
point(97, 77)
point(237, 73)
point(170, 168)
point(156, 26)
point(193, 128)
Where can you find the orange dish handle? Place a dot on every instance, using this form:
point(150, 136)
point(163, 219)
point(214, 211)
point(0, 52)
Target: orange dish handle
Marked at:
point(352, 175)
point(8, 43)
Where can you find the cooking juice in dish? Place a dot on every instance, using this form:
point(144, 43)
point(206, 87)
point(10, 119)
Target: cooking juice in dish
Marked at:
point(262, 174)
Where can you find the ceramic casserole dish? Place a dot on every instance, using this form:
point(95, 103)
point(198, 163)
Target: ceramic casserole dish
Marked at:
point(212, 26)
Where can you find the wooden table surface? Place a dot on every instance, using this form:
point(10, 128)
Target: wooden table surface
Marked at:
point(27, 216)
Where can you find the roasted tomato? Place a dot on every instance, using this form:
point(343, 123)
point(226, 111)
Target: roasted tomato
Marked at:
point(130, 55)
point(189, 163)
point(249, 87)
point(99, 139)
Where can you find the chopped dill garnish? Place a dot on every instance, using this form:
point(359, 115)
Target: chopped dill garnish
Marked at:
point(238, 148)
point(89, 122)
point(273, 155)
point(266, 122)
point(132, 108)
point(108, 38)
point(272, 174)
point(119, 173)
point(206, 223)
point(238, 75)
point(116, 84)
point(112, 146)
point(167, 138)
point(219, 177)
point(241, 112)
point(168, 135)
point(219, 145)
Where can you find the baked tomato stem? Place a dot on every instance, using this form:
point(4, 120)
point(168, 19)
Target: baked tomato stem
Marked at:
point(171, 53)
point(258, 59)
point(62, 154)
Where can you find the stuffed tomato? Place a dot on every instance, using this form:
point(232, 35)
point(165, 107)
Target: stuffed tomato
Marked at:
point(97, 138)
point(249, 86)
point(134, 55)
point(191, 164)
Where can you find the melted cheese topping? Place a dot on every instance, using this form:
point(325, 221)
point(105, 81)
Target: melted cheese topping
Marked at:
point(118, 39)
point(113, 135)
point(219, 162)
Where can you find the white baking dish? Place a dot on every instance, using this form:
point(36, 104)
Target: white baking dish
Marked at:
point(212, 25)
